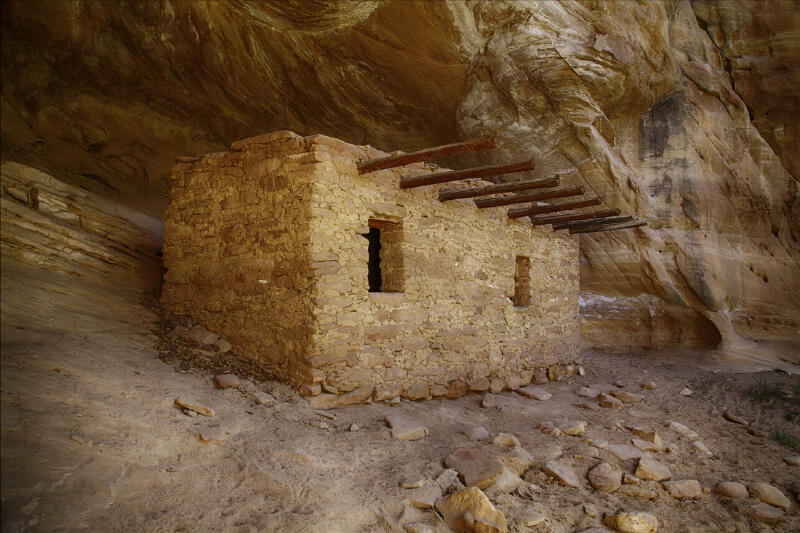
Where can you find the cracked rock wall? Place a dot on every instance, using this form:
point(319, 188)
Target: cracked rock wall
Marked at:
point(684, 113)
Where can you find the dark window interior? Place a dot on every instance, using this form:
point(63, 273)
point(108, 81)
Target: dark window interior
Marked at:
point(374, 273)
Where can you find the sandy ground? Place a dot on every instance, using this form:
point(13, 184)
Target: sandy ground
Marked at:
point(92, 441)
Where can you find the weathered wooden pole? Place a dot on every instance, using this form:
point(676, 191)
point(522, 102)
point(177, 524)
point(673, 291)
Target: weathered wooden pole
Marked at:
point(455, 175)
point(424, 155)
point(558, 219)
point(473, 192)
point(609, 228)
point(592, 223)
point(530, 197)
point(542, 209)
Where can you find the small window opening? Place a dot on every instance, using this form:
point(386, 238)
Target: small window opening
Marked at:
point(522, 282)
point(385, 264)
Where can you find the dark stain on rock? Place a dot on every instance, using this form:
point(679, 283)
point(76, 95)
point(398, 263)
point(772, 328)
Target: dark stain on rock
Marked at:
point(662, 121)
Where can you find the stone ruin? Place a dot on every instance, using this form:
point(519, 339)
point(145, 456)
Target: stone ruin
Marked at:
point(343, 282)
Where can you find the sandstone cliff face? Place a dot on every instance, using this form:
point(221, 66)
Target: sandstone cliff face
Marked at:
point(683, 113)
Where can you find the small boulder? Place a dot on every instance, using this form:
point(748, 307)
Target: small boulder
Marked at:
point(356, 396)
point(623, 452)
point(646, 446)
point(588, 392)
point(226, 381)
point(507, 482)
point(310, 389)
point(769, 494)
point(677, 427)
point(497, 385)
point(487, 402)
point(404, 428)
point(417, 391)
point(762, 512)
point(504, 439)
point(323, 401)
point(700, 447)
point(609, 402)
point(470, 510)
point(425, 497)
point(202, 336)
point(684, 489)
point(537, 393)
point(477, 433)
point(605, 477)
point(649, 468)
point(650, 385)
point(456, 389)
point(563, 473)
point(573, 427)
point(731, 489)
point(224, 346)
point(480, 384)
point(632, 522)
point(262, 398)
point(619, 383)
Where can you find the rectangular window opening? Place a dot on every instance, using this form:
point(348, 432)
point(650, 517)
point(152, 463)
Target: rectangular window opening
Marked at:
point(522, 282)
point(385, 264)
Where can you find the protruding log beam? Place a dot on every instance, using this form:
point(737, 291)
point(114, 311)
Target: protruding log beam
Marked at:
point(558, 219)
point(456, 194)
point(609, 228)
point(543, 209)
point(531, 197)
point(592, 223)
point(424, 155)
point(455, 175)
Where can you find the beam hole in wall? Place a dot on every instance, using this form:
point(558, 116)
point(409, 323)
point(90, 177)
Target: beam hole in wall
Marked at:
point(522, 282)
point(385, 264)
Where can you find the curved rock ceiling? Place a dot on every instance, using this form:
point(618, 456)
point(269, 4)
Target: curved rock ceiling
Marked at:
point(683, 113)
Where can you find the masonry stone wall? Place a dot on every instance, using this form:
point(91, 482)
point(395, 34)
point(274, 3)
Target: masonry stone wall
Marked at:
point(266, 246)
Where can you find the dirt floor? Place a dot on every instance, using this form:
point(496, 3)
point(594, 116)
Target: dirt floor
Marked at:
point(92, 440)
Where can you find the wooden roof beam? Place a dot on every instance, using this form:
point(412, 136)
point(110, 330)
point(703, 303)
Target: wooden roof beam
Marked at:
point(427, 154)
point(592, 223)
point(473, 192)
point(553, 208)
point(530, 197)
point(558, 219)
point(456, 175)
point(609, 228)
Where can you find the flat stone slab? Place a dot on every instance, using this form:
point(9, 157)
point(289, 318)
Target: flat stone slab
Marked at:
point(679, 428)
point(476, 467)
point(404, 428)
point(537, 393)
point(609, 402)
point(627, 397)
point(769, 494)
point(731, 489)
point(623, 452)
point(192, 405)
point(649, 468)
point(563, 473)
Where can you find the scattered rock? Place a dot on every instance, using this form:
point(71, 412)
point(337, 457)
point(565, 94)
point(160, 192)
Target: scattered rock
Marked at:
point(537, 393)
point(471, 511)
point(504, 439)
point(516, 459)
point(480, 384)
point(646, 434)
point(226, 381)
point(686, 391)
point(635, 491)
point(79, 439)
point(487, 402)
point(630, 479)
point(619, 383)
point(594, 530)
point(419, 527)
point(355, 396)
point(202, 336)
point(476, 468)
point(731, 489)
point(677, 427)
point(574, 427)
point(609, 402)
point(507, 482)
point(323, 401)
point(762, 512)
point(189, 412)
point(309, 390)
point(562, 473)
point(756, 433)
point(224, 346)
point(793, 460)
point(627, 397)
point(590, 510)
point(539, 376)
point(388, 393)
point(605, 477)
point(769, 494)
point(325, 414)
point(684, 489)
point(623, 452)
point(404, 428)
point(597, 443)
point(588, 392)
point(587, 406)
point(632, 522)
point(477, 433)
point(210, 436)
point(581, 371)
point(548, 428)
point(532, 519)
point(412, 481)
point(736, 419)
point(528, 490)
point(700, 447)
point(649, 468)
point(425, 497)
point(354, 427)
point(646, 446)
point(262, 398)
point(457, 389)
point(194, 406)
point(319, 424)
point(650, 385)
